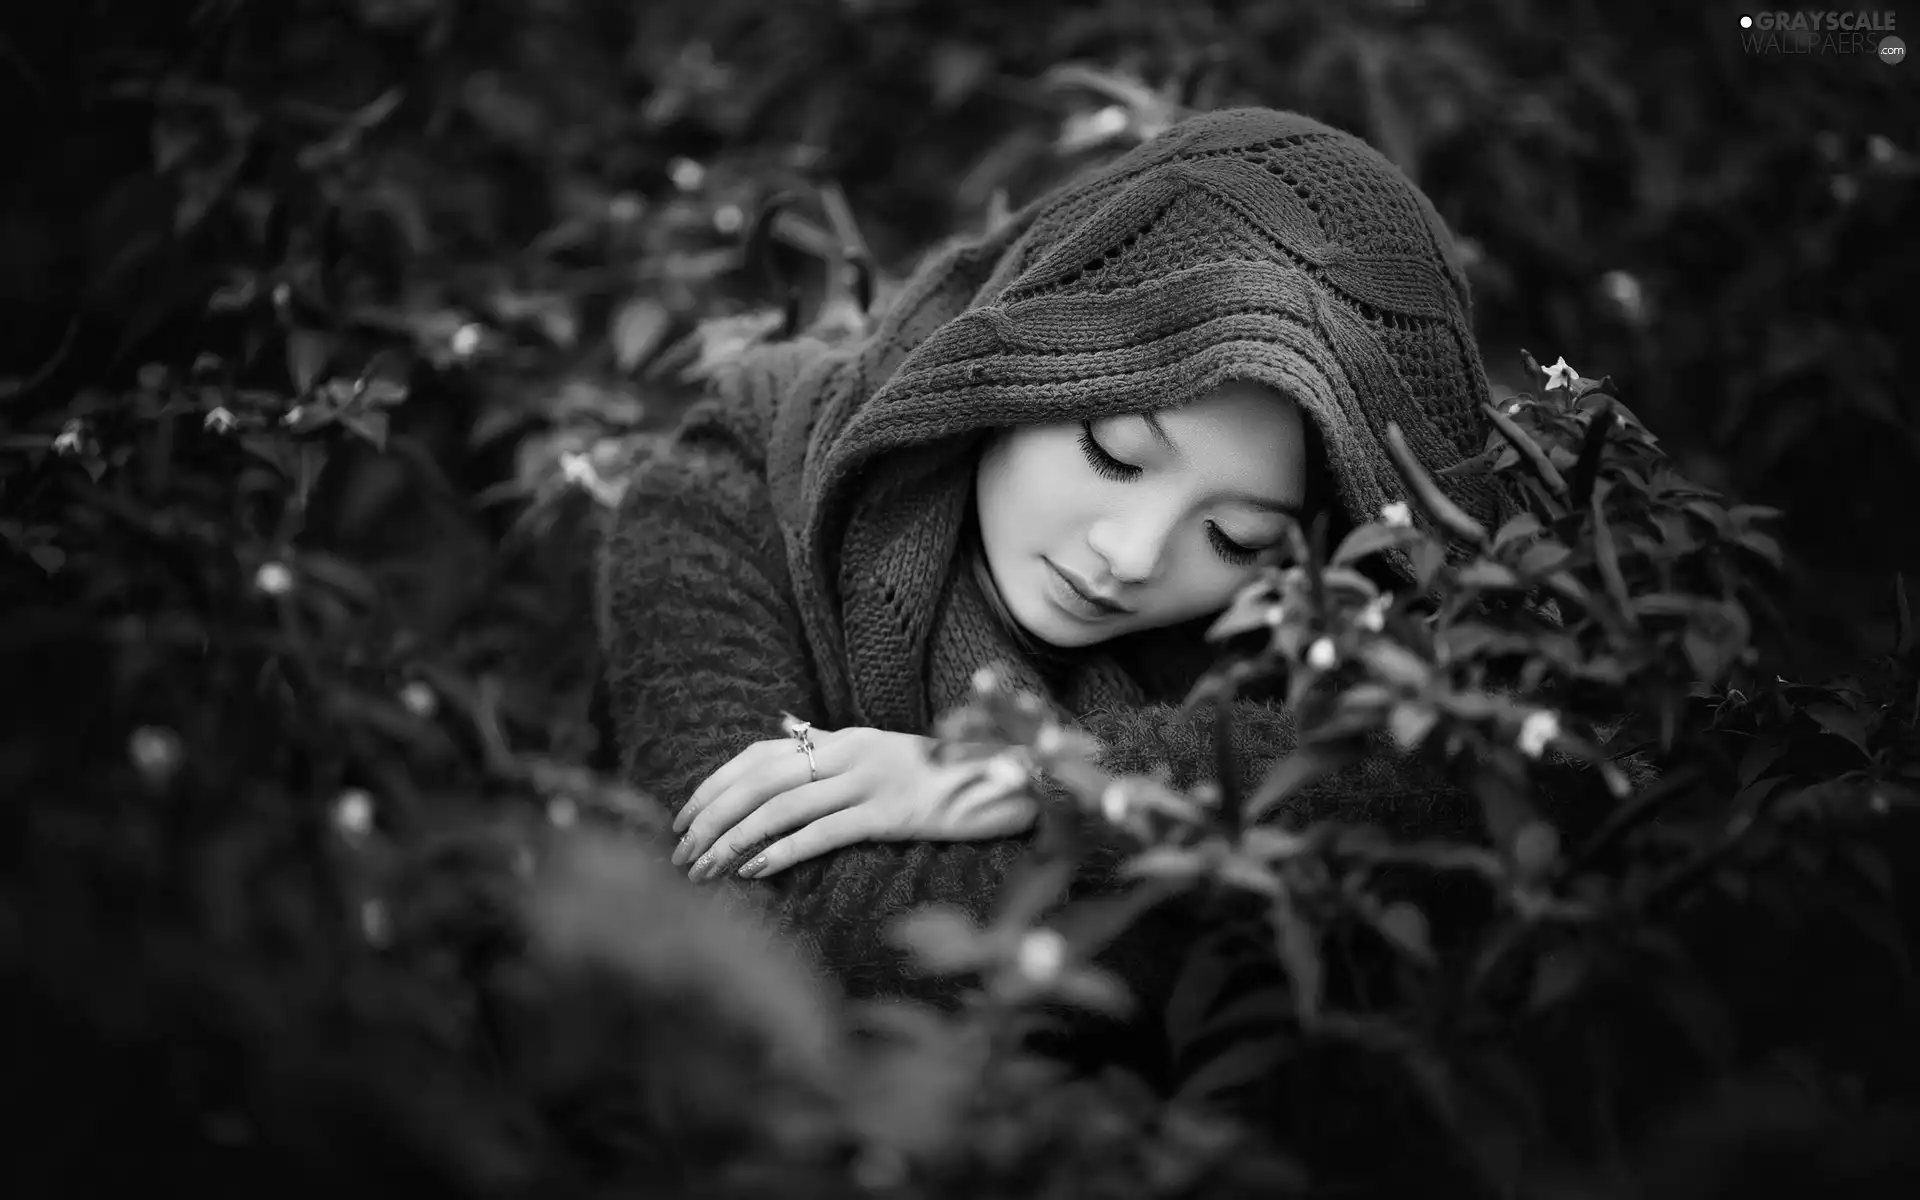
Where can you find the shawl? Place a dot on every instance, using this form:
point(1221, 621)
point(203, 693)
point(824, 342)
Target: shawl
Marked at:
point(1241, 243)
point(799, 548)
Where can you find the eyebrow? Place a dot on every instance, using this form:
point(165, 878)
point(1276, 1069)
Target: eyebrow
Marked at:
point(1165, 439)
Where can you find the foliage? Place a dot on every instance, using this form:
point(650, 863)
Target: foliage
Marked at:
point(351, 314)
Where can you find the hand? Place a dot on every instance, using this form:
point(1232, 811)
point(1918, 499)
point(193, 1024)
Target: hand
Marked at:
point(872, 786)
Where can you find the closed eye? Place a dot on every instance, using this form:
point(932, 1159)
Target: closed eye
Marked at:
point(1109, 467)
point(1104, 464)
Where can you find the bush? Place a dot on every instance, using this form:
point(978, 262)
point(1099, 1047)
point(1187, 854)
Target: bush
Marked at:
point(317, 875)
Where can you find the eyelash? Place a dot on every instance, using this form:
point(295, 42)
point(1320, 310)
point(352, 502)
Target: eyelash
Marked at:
point(1108, 467)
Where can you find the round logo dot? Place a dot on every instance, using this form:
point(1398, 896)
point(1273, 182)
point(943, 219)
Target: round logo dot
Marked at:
point(1746, 22)
point(1892, 49)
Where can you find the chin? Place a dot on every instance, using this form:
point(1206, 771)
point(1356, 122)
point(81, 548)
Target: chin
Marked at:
point(1048, 625)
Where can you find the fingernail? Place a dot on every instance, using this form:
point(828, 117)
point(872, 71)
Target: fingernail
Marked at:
point(753, 868)
point(701, 868)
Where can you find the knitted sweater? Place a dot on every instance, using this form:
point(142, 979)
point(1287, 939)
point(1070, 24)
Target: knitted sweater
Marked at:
point(795, 549)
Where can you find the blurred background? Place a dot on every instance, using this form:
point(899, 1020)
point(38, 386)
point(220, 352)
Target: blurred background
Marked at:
point(327, 327)
point(525, 209)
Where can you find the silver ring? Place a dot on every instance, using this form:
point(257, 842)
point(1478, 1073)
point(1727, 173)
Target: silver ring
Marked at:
point(800, 729)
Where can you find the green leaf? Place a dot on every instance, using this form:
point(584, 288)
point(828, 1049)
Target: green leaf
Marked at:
point(1428, 557)
point(1765, 545)
point(1528, 448)
point(638, 329)
point(372, 426)
point(1371, 539)
point(1524, 525)
point(1427, 494)
point(1841, 722)
point(1607, 558)
point(1299, 946)
point(1406, 927)
point(1544, 558)
point(1758, 757)
point(1292, 773)
point(308, 353)
point(1489, 575)
point(1397, 664)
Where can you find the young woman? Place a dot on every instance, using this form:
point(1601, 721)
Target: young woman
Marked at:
point(1062, 452)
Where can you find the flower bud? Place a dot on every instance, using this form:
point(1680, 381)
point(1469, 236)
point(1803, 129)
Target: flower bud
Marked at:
point(156, 751)
point(1042, 953)
point(273, 579)
point(1397, 514)
point(419, 699)
point(353, 813)
point(1539, 730)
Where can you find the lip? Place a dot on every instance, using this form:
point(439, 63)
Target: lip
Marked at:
point(1071, 593)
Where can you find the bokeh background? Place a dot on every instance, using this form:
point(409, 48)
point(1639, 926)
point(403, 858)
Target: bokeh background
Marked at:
point(327, 327)
point(544, 196)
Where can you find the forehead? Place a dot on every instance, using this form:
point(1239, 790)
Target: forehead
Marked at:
point(1242, 427)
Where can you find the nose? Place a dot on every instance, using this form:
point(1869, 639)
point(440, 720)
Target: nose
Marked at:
point(1130, 545)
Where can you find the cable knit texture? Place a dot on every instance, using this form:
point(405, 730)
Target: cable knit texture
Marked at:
point(796, 549)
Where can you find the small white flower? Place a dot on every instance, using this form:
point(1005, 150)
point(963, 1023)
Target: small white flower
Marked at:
point(1041, 955)
point(465, 340)
point(1275, 615)
point(1397, 514)
point(1321, 655)
point(578, 468)
point(1373, 618)
point(1561, 374)
point(273, 578)
point(1049, 739)
point(72, 437)
point(1623, 288)
point(282, 294)
point(562, 811)
point(293, 415)
point(1537, 731)
point(1006, 773)
point(220, 421)
point(353, 813)
point(728, 219)
point(1513, 409)
point(687, 175)
point(375, 925)
point(1113, 802)
point(625, 208)
point(986, 680)
point(419, 699)
point(155, 750)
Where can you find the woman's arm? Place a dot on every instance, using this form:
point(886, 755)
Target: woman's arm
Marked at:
point(704, 651)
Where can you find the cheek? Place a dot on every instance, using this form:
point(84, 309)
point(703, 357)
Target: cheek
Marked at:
point(1026, 494)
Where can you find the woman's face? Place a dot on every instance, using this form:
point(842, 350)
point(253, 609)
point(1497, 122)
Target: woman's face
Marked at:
point(1134, 523)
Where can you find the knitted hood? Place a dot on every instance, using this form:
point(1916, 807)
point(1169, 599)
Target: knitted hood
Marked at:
point(1242, 243)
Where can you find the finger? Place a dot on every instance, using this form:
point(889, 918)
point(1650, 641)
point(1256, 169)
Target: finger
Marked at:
point(781, 815)
point(846, 827)
point(745, 795)
point(740, 764)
